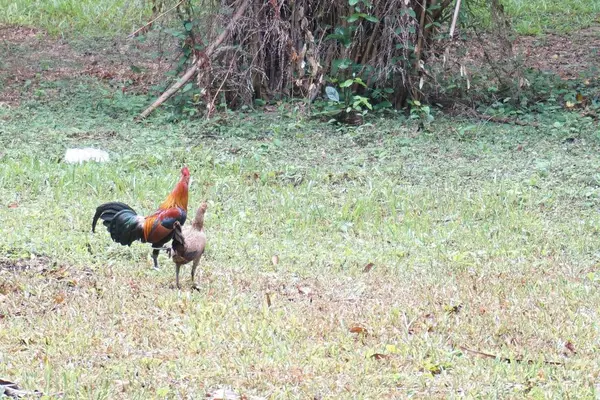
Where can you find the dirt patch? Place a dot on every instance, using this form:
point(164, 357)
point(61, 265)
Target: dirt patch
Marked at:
point(41, 285)
point(39, 264)
point(568, 56)
point(44, 268)
point(565, 55)
point(31, 56)
point(19, 33)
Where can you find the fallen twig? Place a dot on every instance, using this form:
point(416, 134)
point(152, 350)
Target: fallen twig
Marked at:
point(469, 112)
point(506, 359)
point(11, 389)
point(501, 120)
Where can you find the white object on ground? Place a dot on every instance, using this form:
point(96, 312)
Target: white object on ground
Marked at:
point(86, 154)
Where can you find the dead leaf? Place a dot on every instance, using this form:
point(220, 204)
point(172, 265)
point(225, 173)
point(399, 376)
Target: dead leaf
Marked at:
point(56, 273)
point(134, 286)
point(59, 298)
point(6, 288)
point(14, 204)
point(121, 385)
point(452, 309)
point(305, 290)
point(569, 346)
point(268, 297)
point(275, 259)
point(379, 356)
point(361, 330)
point(368, 267)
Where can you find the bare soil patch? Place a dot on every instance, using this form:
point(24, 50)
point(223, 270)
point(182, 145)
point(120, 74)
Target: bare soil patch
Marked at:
point(31, 55)
point(566, 55)
point(55, 282)
point(39, 264)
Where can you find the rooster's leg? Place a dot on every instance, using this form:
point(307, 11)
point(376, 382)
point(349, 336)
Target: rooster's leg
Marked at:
point(177, 266)
point(155, 258)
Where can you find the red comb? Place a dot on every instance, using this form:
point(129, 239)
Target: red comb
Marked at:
point(185, 171)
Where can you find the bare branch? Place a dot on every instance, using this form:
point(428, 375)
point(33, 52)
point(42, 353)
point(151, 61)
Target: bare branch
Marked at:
point(454, 18)
point(506, 359)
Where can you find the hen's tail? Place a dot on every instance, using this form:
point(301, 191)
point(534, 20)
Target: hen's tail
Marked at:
point(178, 243)
point(122, 222)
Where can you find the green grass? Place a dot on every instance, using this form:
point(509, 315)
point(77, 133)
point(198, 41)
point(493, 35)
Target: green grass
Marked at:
point(542, 16)
point(68, 17)
point(485, 238)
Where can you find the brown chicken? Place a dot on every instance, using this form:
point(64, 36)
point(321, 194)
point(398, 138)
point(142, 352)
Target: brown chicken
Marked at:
point(188, 243)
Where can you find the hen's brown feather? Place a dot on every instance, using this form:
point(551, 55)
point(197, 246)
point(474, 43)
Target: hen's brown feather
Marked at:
point(189, 242)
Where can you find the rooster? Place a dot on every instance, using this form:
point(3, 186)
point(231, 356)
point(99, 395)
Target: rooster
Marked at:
point(189, 243)
point(126, 226)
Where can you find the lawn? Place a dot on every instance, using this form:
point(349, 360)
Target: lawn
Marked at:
point(381, 261)
point(342, 262)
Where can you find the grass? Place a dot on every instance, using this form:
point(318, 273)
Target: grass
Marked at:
point(542, 16)
point(72, 17)
point(119, 17)
point(485, 238)
point(539, 17)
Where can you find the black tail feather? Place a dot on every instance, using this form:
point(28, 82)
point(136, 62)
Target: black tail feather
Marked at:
point(121, 221)
point(107, 212)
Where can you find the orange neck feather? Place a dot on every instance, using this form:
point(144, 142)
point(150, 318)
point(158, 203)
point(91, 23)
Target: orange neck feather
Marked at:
point(179, 195)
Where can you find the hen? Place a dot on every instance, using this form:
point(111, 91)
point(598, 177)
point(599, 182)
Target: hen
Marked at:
point(189, 243)
point(126, 226)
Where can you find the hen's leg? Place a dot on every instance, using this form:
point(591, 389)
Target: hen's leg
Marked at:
point(194, 266)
